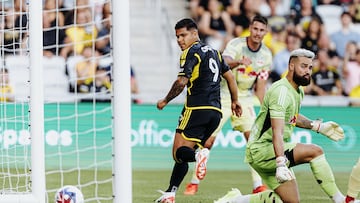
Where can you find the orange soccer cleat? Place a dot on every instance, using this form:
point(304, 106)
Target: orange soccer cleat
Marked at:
point(191, 189)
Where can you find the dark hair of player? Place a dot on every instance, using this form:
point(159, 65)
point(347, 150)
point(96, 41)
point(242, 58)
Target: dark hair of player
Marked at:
point(259, 18)
point(187, 23)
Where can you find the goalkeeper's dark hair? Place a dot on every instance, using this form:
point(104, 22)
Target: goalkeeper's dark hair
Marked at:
point(187, 23)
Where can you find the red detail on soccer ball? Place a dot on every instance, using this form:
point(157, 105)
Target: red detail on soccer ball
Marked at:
point(63, 198)
point(69, 194)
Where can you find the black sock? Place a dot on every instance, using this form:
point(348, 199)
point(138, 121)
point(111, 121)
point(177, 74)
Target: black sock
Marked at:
point(185, 154)
point(177, 176)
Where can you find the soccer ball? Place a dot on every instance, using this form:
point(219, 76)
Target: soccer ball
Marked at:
point(69, 194)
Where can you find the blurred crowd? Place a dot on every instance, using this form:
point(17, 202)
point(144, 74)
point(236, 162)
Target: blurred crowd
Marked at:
point(79, 32)
point(76, 30)
point(330, 28)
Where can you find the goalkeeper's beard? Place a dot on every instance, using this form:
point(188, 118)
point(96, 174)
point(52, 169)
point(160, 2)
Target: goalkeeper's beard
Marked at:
point(301, 80)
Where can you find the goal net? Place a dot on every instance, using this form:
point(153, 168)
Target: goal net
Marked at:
point(78, 115)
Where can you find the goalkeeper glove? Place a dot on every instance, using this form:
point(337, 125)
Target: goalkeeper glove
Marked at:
point(330, 129)
point(283, 173)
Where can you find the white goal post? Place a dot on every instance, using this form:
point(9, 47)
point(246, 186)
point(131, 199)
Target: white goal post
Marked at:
point(38, 193)
point(122, 107)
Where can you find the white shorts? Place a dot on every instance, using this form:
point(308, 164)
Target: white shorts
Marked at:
point(243, 123)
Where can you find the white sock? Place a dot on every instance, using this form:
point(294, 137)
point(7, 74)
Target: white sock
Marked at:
point(257, 184)
point(194, 179)
point(255, 178)
point(338, 197)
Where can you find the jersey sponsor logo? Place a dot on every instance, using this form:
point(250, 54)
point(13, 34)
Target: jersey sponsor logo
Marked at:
point(247, 72)
point(260, 62)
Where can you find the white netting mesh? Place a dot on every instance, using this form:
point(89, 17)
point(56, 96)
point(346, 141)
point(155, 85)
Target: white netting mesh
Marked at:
point(77, 93)
point(14, 118)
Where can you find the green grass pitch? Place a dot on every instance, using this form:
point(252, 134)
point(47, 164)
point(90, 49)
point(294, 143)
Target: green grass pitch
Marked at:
point(217, 183)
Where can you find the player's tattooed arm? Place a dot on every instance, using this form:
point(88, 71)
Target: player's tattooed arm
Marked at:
point(303, 122)
point(177, 87)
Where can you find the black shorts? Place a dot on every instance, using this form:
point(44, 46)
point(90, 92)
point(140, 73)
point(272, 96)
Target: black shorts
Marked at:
point(198, 125)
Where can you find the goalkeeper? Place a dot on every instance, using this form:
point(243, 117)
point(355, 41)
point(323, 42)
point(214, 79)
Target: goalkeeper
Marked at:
point(269, 151)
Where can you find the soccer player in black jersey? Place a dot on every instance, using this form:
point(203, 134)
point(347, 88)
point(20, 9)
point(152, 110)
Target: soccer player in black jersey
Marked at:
point(201, 71)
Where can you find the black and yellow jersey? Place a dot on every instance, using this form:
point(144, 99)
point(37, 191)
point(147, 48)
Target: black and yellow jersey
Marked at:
point(204, 67)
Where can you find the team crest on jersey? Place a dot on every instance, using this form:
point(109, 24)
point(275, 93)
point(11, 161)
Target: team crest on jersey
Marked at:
point(293, 120)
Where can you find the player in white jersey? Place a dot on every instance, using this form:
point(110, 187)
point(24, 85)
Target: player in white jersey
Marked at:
point(250, 61)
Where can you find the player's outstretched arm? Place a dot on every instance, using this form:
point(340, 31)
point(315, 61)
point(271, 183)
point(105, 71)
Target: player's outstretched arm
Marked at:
point(330, 129)
point(177, 87)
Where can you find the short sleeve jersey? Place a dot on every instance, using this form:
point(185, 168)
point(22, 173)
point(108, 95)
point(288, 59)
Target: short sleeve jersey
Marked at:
point(203, 66)
point(326, 80)
point(281, 101)
point(261, 60)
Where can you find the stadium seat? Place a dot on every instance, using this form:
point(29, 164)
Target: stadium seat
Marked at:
point(55, 80)
point(330, 15)
point(18, 67)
